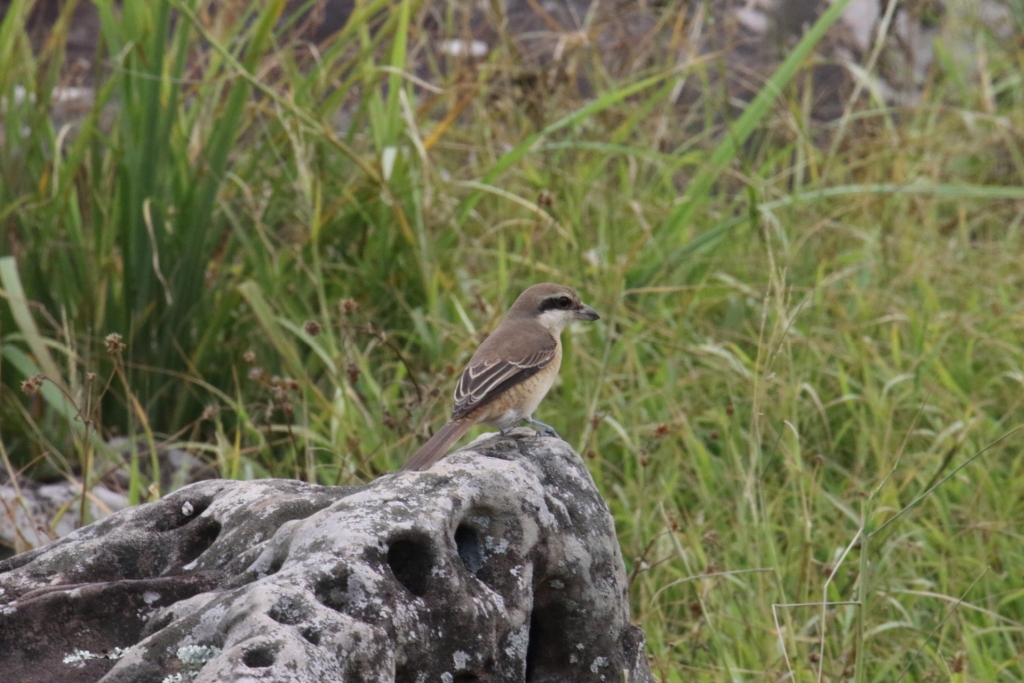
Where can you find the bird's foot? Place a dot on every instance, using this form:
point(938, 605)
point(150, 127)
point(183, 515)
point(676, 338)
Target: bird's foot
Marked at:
point(547, 430)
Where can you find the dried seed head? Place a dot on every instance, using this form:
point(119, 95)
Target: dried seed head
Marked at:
point(353, 373)
point(32, 385)
point(210, 412)
point(312, 328)
point(90, 377)
point(661, 431)
point(348, 306)
point(256, 372)
point(479, 303)
point(114, 343)
point(249, 357)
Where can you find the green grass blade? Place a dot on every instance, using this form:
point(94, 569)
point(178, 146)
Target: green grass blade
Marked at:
point(14, 293)
point(11, 27)
point(395, 84)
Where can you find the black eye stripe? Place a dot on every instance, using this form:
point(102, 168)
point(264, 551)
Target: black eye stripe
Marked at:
point(555, 303)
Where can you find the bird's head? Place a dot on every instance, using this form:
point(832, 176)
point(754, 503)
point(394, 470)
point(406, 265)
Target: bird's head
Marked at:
point(553, 306)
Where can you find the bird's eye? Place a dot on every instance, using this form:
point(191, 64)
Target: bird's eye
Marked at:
point(563, 302)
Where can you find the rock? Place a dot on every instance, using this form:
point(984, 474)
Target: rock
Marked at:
point(34, 513)
point(498, 564)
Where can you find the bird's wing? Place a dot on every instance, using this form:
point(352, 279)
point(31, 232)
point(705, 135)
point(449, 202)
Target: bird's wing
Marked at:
point(483, 381)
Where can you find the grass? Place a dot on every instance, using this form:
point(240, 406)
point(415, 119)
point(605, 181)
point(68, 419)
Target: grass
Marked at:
point(800, 401)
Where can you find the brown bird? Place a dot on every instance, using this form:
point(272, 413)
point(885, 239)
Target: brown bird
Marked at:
point(510, 373)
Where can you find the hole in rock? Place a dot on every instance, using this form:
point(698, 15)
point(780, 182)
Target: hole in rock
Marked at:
point(312, 635)
point(410, 562)
point(332, 590)
point(548, 649)
point(259, 657)
point(200, 536)
point(277, 559)
point(533, 647)
point(467, 541)
point(465, 677)
point(174, 516)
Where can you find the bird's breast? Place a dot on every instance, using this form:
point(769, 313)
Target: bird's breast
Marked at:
point(519, 401)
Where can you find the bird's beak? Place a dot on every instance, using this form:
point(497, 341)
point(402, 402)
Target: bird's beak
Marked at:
point(585, 312)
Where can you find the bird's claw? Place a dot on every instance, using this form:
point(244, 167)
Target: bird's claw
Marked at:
point(546, 430)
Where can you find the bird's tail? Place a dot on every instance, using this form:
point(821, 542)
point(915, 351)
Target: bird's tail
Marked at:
point(438, 445)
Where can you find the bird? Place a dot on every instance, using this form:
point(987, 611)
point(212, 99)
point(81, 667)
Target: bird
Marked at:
point(511, 371)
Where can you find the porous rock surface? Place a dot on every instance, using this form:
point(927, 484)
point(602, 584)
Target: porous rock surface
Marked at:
point(498, 564)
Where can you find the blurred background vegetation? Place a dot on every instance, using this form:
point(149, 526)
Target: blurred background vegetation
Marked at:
point(298, 225)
